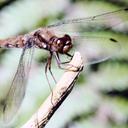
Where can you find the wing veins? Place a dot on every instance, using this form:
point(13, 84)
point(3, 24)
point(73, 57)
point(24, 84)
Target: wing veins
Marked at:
point(86, 19)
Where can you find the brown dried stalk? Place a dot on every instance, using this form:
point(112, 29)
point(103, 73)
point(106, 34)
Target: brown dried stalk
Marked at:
point(61, 91)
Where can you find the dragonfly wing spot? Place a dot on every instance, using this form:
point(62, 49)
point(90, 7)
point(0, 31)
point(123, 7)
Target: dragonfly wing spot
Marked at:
point(113, 40)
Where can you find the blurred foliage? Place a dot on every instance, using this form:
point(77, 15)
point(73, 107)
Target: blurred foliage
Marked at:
point(4, 3)
point(100, 98)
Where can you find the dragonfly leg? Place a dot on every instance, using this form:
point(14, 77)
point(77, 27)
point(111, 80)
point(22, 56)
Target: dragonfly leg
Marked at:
point(69, 55)
point(48, 67)
point(68, 60)
point(59, 63)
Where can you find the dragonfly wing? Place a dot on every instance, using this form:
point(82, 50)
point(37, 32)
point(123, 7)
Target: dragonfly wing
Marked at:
point(109, 20)
point(96, 49)
point(17, 89)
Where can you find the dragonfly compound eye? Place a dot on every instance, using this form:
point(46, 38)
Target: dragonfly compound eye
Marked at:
point(66, 44)
point(63, 44)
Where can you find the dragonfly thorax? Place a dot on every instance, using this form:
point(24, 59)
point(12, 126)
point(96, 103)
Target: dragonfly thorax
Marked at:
point(30, 42)
point(48, 40)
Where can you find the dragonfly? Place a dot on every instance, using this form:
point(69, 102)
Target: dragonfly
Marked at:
point(59, 39)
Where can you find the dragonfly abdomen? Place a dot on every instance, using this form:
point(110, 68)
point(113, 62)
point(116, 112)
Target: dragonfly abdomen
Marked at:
point(14, 42)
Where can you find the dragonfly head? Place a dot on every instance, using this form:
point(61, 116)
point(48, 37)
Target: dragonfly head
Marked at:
point(64, 44)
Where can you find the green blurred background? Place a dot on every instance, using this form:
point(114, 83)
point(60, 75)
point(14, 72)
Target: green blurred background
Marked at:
point(100, 96)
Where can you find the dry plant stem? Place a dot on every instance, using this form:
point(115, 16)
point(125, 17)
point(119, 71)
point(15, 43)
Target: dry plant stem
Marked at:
point(61, 91)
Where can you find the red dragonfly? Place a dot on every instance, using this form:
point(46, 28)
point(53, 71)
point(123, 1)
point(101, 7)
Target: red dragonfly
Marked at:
point(59, 39)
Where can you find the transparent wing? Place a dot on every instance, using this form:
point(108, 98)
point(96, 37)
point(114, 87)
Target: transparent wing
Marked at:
point(16, 93)
point(96, 49)
point(105, 20)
